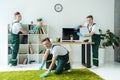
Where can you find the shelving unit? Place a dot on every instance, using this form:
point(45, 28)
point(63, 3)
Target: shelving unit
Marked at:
point(31, 50)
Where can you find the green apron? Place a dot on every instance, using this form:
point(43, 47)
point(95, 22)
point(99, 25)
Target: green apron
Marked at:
point(15, 48)
point(95, 47)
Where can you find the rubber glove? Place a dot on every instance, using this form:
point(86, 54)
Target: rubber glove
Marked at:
point(45, 74)
point(80, 34)
point(77, 27)
point(31, 31)
point(41, 65)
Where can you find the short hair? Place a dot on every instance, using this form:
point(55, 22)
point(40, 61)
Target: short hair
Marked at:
point(46, 39)
point(90, 16)
point(17, 13)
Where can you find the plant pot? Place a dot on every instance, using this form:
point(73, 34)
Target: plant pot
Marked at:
point(101, 56)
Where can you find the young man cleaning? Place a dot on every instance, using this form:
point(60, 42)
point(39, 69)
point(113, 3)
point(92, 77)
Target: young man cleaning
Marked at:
point(95, 36)
point(54, 53)
point(15, 29)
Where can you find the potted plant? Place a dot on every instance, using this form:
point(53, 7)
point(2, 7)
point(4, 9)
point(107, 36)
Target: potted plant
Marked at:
point(110, 39)
point(107, 39)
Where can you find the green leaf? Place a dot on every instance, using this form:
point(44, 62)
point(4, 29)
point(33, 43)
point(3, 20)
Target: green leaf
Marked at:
point(116, 43)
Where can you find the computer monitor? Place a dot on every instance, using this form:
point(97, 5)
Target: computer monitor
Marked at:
point(68, 32)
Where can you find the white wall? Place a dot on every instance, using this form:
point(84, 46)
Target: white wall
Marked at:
point(74, 13)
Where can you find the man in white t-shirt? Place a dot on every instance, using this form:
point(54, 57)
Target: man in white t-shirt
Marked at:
point(95, 36)
point(15, 29)
point(53, 53)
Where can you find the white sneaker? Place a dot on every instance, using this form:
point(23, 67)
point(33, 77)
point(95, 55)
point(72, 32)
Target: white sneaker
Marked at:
point(10, 65)
point(94, 67)
point(69, 70)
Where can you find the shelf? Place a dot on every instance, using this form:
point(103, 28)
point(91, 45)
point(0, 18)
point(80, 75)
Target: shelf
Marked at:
point(31, 50)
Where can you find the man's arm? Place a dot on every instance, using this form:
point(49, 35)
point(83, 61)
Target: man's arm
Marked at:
point(44, 59)
point(90, 34)
point(53, 62)
point(50, 68)
point(82, 25)
point(47, 52)
point(23, 31)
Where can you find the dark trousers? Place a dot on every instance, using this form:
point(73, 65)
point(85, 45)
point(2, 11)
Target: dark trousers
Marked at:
point(95, 49)
point(15, 48)
point(62, 63)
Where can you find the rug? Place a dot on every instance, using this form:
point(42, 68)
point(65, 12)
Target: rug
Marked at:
point(75, 74)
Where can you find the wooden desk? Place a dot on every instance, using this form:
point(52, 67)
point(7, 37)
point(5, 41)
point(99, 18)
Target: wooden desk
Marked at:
point(86, 52)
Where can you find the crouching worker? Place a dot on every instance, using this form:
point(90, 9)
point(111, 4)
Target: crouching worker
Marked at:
point(54, 53)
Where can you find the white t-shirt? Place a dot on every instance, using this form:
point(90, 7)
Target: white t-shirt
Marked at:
point(93, 28)
point(58, 50)
point(16, 27)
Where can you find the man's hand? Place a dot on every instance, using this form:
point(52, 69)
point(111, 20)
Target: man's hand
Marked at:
point(45, 74)
point(41, 65)
point(31, 31)
point(80, 34)
point(23, 31)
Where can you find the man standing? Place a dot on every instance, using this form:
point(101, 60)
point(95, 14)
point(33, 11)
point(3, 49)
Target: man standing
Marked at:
point(15, 29)
point(95, 36)
point(53, 53)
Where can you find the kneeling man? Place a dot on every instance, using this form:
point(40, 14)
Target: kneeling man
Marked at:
point(52, 54)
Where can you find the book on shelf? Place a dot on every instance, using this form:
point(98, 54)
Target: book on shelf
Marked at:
point(24, 61)
point(41, 31)
point(31, 51)
point(32, 61)
point(36, 32)
point(44, 29)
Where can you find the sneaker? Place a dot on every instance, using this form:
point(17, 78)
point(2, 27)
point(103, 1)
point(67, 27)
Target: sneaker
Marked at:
point(11, 65)
point(69, 70)
point(94, 67)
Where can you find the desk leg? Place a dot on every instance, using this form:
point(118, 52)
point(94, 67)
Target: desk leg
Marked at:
point(83, 54)
point(88, 64)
